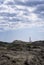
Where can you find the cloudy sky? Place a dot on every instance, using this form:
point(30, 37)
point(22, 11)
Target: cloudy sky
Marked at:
point(21, 19)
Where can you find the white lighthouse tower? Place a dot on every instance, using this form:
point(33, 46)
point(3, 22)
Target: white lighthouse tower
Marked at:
point(30, 39)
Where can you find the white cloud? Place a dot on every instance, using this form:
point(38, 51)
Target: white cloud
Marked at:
point(7, 1)
point(31, 9)
point(1, 17)
point(7, 9)
point(22, 1)
point(19, 25)
point(25, 15)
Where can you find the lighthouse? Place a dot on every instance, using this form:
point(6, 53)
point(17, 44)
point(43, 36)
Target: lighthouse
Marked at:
point(30, 39)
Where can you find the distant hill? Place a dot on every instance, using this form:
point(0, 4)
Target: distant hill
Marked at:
point(38, 43)
point(20, 45)
point(3, 44)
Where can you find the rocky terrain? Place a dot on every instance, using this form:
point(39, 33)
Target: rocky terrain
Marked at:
point(22, 53)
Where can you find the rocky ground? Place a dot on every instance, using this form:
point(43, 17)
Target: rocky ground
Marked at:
point(34, 56)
